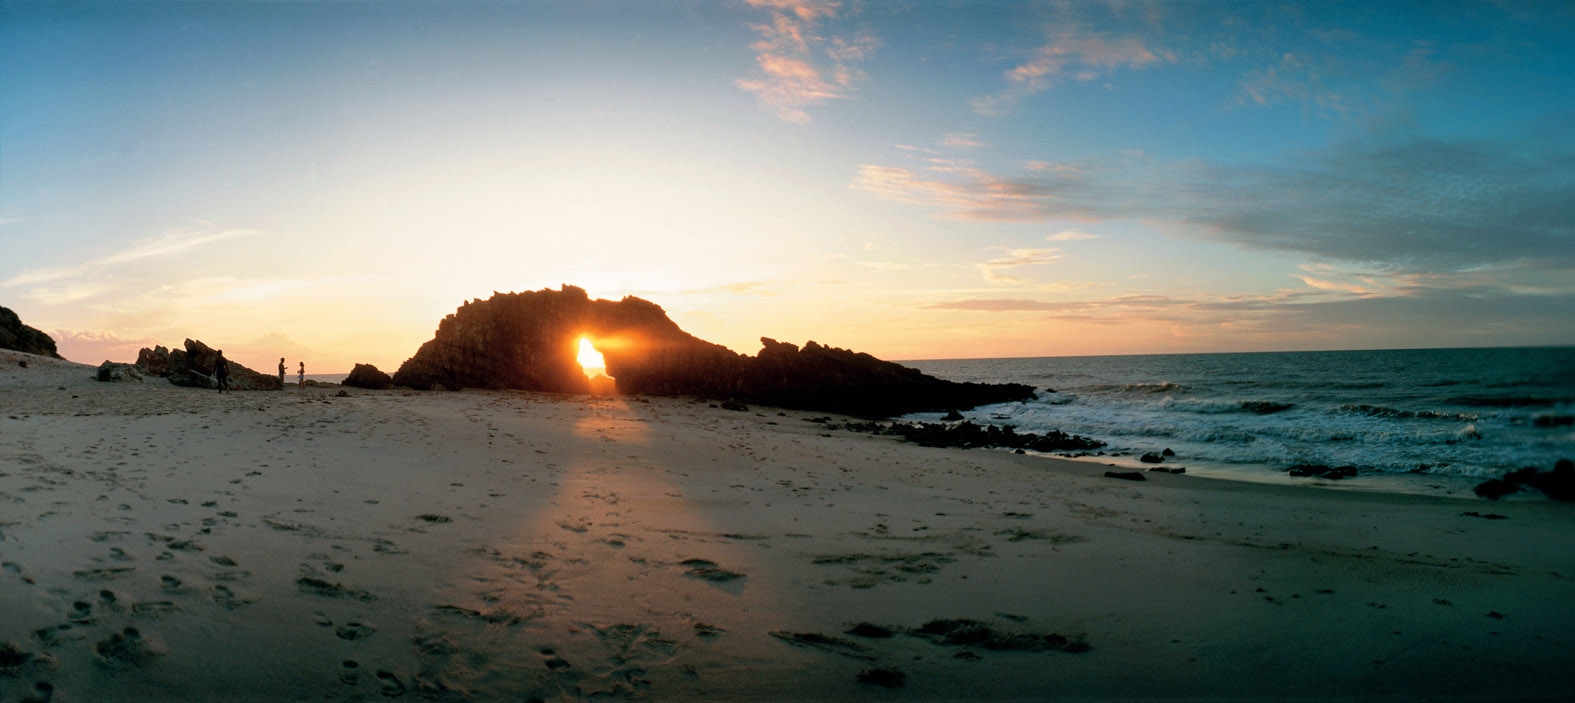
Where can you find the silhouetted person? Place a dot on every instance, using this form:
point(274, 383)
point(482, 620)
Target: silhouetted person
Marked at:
point(221, 370)
point(300, 376)
point(281, 373)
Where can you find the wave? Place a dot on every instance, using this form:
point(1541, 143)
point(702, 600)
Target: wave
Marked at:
point(1508, 401)
point(1381, 411)
point(1145, 388)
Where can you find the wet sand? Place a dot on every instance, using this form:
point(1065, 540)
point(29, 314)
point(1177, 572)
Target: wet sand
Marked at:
point(162, 543)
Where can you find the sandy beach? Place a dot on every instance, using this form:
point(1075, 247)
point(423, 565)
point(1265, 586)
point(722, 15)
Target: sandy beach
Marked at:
point(169, 544)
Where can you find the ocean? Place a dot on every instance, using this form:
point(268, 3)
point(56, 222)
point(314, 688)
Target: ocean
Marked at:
point(1410, 420)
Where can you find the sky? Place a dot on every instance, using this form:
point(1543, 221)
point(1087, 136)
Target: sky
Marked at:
point(325, 181)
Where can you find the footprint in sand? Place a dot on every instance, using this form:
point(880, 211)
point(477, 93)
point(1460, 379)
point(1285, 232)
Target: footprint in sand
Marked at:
point(353, 631)
point(227, 598)
point(127, 649)
point(43, 692)
point(349, 672)
point(392, 686)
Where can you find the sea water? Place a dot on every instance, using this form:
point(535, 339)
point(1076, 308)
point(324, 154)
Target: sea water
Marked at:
point(1451, 415)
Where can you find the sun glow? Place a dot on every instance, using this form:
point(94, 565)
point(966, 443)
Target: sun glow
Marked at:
point(590, 359)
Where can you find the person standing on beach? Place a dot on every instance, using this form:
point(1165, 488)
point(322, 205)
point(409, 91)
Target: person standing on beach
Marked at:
point(221, 370)
point(281, 373)
point(300, 377)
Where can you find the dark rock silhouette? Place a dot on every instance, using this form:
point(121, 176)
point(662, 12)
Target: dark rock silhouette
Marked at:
point(967, 435)
point(19, 337)
point(193, 367)
point(367, 376)
point(529, 341)
point(1558, 484)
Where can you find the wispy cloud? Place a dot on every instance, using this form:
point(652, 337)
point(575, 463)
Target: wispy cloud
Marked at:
point(1068, 55)
point(1016, 258)
point(799, 67)
point(962, 140)
point(1293, 78)
point(1070, 235)
point(964, 192)
point(168, 244)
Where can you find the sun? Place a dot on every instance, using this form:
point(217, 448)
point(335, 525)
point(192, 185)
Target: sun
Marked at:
point(590, 359)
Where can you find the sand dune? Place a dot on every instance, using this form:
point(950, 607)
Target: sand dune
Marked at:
point(164, 543)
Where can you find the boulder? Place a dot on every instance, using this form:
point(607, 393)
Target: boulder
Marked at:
point(530, 341)
point(1558, 484)
point(111, 371)
point(367, 376)
point(193, 367)
point(19, 337)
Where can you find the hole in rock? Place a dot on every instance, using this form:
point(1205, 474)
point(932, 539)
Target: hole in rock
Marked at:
point(595, 369)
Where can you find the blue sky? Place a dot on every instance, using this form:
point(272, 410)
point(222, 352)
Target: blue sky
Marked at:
point(916, 180)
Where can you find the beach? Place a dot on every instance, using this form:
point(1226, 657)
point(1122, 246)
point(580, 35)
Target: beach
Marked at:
point(162, 543)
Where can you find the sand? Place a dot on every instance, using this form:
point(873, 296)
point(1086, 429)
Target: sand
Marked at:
point(168, 544)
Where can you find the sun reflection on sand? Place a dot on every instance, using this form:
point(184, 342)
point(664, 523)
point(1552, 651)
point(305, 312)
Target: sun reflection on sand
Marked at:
point(619, 565)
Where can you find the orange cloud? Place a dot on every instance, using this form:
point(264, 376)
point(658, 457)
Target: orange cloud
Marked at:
point(1084, 58)
point(801, 68)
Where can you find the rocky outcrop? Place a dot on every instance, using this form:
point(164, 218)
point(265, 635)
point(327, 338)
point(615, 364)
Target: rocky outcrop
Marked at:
point(1558, 484)
point(19, 337)
point(369, 377)
point(529, 341)
point(111, 371)
point(193, 367)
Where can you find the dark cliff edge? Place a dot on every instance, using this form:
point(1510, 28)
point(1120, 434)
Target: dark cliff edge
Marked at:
point(19, 337)
point(530, 341)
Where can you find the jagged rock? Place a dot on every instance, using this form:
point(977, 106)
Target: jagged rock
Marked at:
point(19, 337)
point(112, 371)
point(193, 367)
point(367, 376)
point(1558, 484)
point(530, 341)
point(967, 435)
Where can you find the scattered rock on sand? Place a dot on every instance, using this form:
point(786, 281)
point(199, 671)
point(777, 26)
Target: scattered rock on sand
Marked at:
point(1558, 484)
point(1126, 475)
point(889, 677)
point(369, 377)
point(111, 371)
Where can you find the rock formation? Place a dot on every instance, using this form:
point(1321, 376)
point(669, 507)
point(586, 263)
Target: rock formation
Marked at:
point(19, 337)
point(368, 376)
point(111, 371)
point(529, 341)
point(193, 367)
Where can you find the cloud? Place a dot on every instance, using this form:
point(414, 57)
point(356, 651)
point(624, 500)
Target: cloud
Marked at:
point(1395, 206)
point(92, 347)
point(1293, 78)
point(1016, 258)
point(1082, 57)
point(1070, 235)
point(961, 140)
point(970, 193)
point(799, 67)
point(166, 245)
